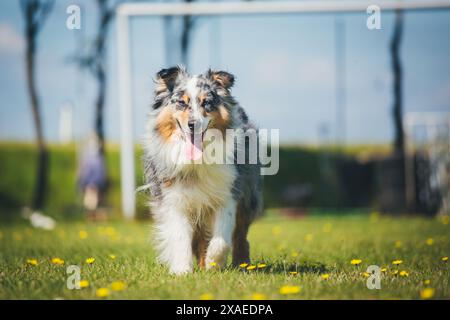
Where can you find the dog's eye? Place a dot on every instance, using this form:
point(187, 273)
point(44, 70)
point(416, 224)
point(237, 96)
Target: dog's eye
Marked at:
point(207, 105)
point(182, 103)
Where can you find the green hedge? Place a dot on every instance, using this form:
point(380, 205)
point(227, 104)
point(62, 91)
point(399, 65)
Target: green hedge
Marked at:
point(298, 165)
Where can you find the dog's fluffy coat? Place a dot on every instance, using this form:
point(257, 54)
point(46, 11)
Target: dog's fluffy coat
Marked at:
point(200, 210)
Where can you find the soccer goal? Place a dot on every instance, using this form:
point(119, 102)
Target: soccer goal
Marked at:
point(427, 144)
point(127, 11)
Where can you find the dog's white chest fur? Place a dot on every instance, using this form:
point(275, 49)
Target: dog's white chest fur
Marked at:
point(204, 190)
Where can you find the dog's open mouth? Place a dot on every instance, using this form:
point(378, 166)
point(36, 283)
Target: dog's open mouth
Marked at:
point(194, 143)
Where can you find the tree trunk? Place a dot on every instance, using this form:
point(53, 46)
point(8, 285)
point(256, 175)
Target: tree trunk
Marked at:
point(397, 89)
point(99, 106)
point(398, 183)
point(186, 36)
point(40, 185)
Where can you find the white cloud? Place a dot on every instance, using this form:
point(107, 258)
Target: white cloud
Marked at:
point(11, 41)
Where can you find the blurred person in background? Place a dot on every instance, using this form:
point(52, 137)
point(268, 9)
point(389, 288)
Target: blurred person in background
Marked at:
point(92, 178)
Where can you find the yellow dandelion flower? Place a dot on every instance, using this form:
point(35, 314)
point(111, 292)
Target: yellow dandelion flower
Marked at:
point(289, 290)
point(365, 274)
point(206, 296)
point(325, 276)
point(294, 254)
point(90, 260)
point(427, 282)
point(394, 273)
point(445, 219)
point(252, 267)
point(32, 262)
point(276, 230)
point(57, 261)
point(213, 264)
point(293, 273)
point(383, 269)
point(327, 227)
point(355, 262)
point(243, 265)
point(84, 283)
point(258, 296)
point(429, 241)
point(17, 236)
point(112, 257)
point(398, 244)
point(83, 234)
point(110, 230)
point(309, 237)
point(117, 286)
point(404, 273)
point(374, 216)
point(102, 292)
point(445, 259)
point(397, 262)
point(262, 265)
point(427, 293)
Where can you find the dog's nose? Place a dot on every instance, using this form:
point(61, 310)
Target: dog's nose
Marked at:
point(191, 125)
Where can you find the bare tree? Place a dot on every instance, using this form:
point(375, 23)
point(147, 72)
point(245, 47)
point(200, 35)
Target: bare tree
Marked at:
point(398, 175)
point(186, 34)
point(95, 61)
point(35, 13)
point(397, 88)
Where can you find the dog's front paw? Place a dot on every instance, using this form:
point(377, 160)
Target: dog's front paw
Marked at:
point(217, 253)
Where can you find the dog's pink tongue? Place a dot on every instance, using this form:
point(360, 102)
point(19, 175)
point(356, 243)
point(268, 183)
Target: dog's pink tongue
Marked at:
point(194, 150)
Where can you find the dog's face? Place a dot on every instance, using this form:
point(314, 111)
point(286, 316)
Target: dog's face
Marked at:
point(190, 105)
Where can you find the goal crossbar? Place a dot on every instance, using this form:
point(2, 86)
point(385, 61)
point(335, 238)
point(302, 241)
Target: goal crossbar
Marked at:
point(271, 7)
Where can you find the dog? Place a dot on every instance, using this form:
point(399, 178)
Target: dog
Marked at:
point(200, 209)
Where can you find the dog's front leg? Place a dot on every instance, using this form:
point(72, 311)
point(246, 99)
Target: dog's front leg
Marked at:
point(174, 235)
point(221, 236)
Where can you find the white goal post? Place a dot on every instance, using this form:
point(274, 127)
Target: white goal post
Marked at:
point(127, 10)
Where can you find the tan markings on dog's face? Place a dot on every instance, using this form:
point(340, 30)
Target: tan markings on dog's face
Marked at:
point(186, 99)
point(182, 116)
point(220, 118)
point(165, 123)
point(201, 99)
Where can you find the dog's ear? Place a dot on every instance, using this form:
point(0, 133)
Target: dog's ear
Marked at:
point(166, 78)
point(221, 78)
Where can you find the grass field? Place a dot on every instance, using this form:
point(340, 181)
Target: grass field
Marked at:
point(313, 246)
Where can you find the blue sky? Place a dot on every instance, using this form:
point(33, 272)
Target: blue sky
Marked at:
point(284, 68)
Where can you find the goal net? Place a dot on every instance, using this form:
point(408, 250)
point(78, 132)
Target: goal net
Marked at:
point(427, 142)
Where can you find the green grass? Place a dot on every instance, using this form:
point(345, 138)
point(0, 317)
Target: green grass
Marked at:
point(325, 244)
